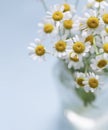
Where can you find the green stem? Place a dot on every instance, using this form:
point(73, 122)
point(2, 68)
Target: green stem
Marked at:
point(86, 68)
point(100, 53)
point(66, 1)
point(76, 3)
point(86, 61)
point(95, 47)
point(44, 5)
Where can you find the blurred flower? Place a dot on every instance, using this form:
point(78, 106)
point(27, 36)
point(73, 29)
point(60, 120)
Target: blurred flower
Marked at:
point(98, 3)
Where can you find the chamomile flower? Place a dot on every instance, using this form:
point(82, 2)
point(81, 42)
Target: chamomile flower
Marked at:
point(37, 50)
point(73, 61)
point(89, 5)
point(104, 15)
point(90, 39)
point(105, 18)
point(60, 48)
point(79, 46)
point(79, 79)
point(91, 23)
point(99, 63)
point(70, 26)
point(105, 32)
point(69, 7)
point(104, 36)
point(57, 14)
point(91, 82)
point(98, 3)
point(104, 48)
point(47, 28)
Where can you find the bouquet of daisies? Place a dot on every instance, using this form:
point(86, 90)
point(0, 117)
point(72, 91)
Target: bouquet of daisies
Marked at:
point(79, 41)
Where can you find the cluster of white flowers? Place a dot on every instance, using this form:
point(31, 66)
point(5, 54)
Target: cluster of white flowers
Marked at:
point(80, 41)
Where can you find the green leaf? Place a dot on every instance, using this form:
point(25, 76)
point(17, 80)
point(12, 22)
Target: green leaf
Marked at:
point(87, 98)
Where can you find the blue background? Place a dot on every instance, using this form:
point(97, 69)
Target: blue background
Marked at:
point(28, 93)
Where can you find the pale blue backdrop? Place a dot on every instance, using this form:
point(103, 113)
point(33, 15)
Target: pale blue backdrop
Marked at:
point(28, 93)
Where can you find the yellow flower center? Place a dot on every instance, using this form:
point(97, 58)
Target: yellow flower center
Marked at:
point(93, 22)
point(89, 39)
point(57, 16)
point(99, 0)
point(105, 47)
point(80, 81)
point(74, 57)
point(105, 18)
point(102, 63)
point(89, 5)
point(66, 7)
point(40, 50)
point(93, 83)
point(78, 47)
point(106, 29)
point(48, 28)
point(80, 25)
point(68, 24)
point(60, 46)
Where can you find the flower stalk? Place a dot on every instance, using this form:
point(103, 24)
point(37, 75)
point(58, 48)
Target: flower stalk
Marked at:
point(76, 3)
point(95, 47)
point(44, 5)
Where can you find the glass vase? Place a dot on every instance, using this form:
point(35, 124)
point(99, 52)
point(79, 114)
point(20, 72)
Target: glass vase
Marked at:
point(84, 111)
